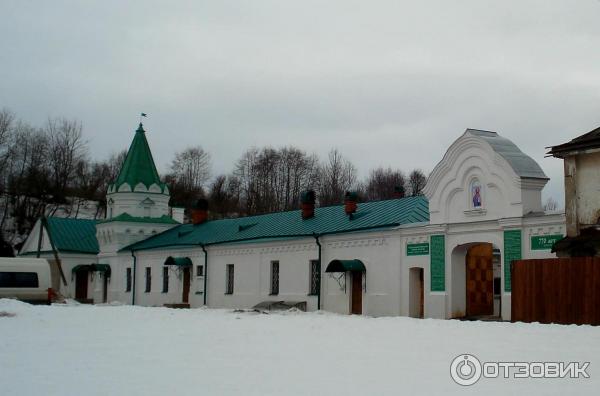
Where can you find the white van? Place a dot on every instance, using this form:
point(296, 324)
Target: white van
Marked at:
point(26, 279)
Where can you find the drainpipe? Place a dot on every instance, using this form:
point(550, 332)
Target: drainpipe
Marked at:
point(316, 236)
point(205, 271)
point(133, 278)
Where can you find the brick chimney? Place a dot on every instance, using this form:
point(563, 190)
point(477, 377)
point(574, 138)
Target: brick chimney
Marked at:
point(350, 200)
point(199, 211)
point(398, 192)
point(307, 204)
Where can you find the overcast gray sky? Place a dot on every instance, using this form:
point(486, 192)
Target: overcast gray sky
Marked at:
point(389, 83)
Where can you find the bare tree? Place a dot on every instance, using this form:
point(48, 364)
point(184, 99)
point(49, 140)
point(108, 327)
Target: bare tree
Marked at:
point(7, 119)
point(6, 129)
point(336, 176)
point(550, 205)
point(224, 196)
point(191, 168)
point(66, 149)
point(27, 176)
point(384, 183)
point(114, 164)
point(272, 179)
point(416, 182)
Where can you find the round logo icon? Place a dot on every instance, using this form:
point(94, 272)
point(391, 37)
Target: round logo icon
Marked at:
point(465, 369)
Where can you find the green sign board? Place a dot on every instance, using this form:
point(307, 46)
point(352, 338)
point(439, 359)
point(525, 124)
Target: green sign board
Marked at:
point(438, 263)
point(417, 249)
point(544, 242)
point(512, 251)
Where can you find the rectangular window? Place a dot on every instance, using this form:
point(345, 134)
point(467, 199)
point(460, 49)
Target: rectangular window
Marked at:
point(496, 286)
point(128, 280)
point(274, 277)
point(165, 279)
point(314, 277)
point(199, 270)
point(229, 279)
point(148, 279)
point(19, 280)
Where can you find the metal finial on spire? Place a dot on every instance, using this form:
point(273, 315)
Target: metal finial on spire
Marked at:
point(142, 115)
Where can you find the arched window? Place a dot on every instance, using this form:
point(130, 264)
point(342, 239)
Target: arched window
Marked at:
point(476, 194)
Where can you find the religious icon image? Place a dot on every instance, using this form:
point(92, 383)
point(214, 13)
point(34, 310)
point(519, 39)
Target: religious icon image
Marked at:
point(476, 194)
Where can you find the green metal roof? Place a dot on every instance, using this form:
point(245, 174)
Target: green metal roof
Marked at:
point(138, 166)
point(82, 267)
point(73, 235)
point(178, 261)
point(104, 268)
point(345, 265)
point(329, 220)
point(126, 217)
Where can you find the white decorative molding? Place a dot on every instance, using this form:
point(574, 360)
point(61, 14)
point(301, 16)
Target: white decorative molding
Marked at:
point(125, 187)
point(417, 239)
point(140, 187)
point(475, 212)
point(374, 242)
point(155, 188)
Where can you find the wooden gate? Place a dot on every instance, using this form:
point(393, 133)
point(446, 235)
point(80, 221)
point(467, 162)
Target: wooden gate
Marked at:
point(561, 290)
point(480, 280)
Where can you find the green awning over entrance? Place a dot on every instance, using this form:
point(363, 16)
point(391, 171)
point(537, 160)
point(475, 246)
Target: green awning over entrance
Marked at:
point(345, 265)
point(81, 267)
point(178, 261)
point(104, 268)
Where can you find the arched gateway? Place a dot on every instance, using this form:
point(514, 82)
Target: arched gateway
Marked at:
point(484, 202)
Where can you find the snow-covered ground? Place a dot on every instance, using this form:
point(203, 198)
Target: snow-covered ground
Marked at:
point(123, 350)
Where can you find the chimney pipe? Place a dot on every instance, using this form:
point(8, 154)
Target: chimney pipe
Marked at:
point(398, 192)
point(307, 204)
point(199, 211)
point(350, 202)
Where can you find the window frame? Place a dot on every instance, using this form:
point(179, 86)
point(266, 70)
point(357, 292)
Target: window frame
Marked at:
point(313, 276)
point(128, 280)
point(148, 288)
point(274, 278)
point(19, 280)
point(165, 283)
point(229, 279)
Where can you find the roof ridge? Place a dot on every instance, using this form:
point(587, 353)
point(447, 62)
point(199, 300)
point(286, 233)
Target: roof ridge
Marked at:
point(286, 224)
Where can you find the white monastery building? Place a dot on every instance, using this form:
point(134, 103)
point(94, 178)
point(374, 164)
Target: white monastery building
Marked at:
point(443, 255)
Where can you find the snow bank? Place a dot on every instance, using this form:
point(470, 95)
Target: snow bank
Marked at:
point(124, 350)
point(13, 305)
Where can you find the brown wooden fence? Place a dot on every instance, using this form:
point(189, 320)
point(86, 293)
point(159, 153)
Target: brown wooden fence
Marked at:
point(561, 290)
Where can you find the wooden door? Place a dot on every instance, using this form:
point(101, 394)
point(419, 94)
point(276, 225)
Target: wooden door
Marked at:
point(480, 280)
point(81, 285)
point(416, 298)
point(356, 306)
point(185, 298)
point(421, 294)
